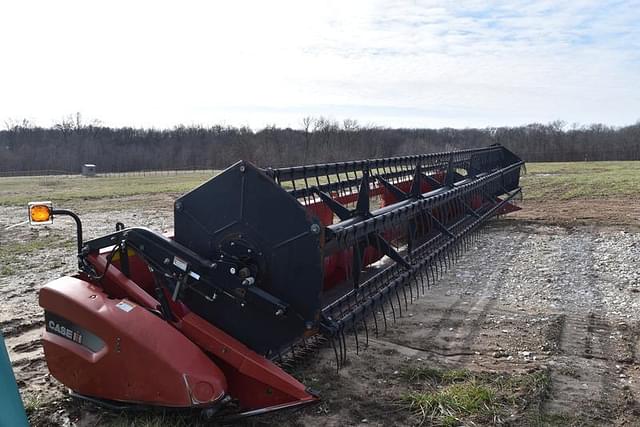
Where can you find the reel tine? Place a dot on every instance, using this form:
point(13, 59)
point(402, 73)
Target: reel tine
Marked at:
point(384, 316)
point(355, 334)
point(366, 329)
point(433, 275)
point(427, 268)
point(335, 352)
point(410, 283)
point(399, 304)
point(393, 311)
point(404, 292)
point(341, 346)
point(375, 319)
point(344, 347)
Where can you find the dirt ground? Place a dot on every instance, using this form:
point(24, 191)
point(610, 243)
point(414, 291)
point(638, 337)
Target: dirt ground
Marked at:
point(554, 288)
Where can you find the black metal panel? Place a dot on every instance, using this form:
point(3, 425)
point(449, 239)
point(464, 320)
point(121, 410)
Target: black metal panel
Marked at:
point(243, 207)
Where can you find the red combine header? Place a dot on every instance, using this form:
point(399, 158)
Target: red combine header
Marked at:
point(264, 265)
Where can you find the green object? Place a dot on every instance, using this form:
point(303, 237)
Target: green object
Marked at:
point(11, 409)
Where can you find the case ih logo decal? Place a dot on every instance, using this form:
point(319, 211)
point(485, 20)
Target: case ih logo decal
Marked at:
point(64, 328)
point(52, 326)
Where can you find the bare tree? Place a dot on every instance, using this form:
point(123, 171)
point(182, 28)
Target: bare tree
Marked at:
point(307, 122)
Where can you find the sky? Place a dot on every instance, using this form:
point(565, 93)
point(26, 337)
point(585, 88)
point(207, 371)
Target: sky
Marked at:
point(256, 63)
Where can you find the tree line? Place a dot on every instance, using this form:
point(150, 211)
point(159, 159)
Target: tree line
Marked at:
point(71, 143)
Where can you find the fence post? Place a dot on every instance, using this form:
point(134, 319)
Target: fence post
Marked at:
point(11, 409)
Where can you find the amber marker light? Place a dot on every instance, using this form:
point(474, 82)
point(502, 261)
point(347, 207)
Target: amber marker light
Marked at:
point(40, 213)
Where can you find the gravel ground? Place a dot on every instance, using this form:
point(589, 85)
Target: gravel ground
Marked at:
point(565, 269)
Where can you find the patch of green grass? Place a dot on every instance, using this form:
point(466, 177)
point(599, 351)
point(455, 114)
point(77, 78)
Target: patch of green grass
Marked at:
point(453, 401)
point(149, 420)
point(454, 397)
point(581, 180)
point(6, 270)
point(21, 190)
point(32, 403)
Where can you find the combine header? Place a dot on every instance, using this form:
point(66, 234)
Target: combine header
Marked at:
point(263, 266)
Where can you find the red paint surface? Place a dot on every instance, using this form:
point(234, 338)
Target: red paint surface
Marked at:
point(144, 359)
point(148, 360)
point(337, 266)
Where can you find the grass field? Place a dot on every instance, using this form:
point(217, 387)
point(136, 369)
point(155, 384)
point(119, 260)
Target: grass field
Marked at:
point(21, 190)
point(559, 181)
point(564, 181)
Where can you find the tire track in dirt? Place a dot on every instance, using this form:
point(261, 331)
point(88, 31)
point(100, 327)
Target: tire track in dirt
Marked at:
point(27, 347)
point(26, 354)
point(583, 373)
point(17, 327)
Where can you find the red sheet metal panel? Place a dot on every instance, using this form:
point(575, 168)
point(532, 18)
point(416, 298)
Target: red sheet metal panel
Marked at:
point(116, 349)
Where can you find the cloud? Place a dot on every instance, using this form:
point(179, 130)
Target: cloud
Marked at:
point(396, 63)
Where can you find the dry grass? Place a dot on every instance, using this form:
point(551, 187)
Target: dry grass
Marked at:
point(21, 190)
point(460, 397)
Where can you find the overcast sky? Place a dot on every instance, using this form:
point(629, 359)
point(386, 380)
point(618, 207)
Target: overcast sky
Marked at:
point(389, 63)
